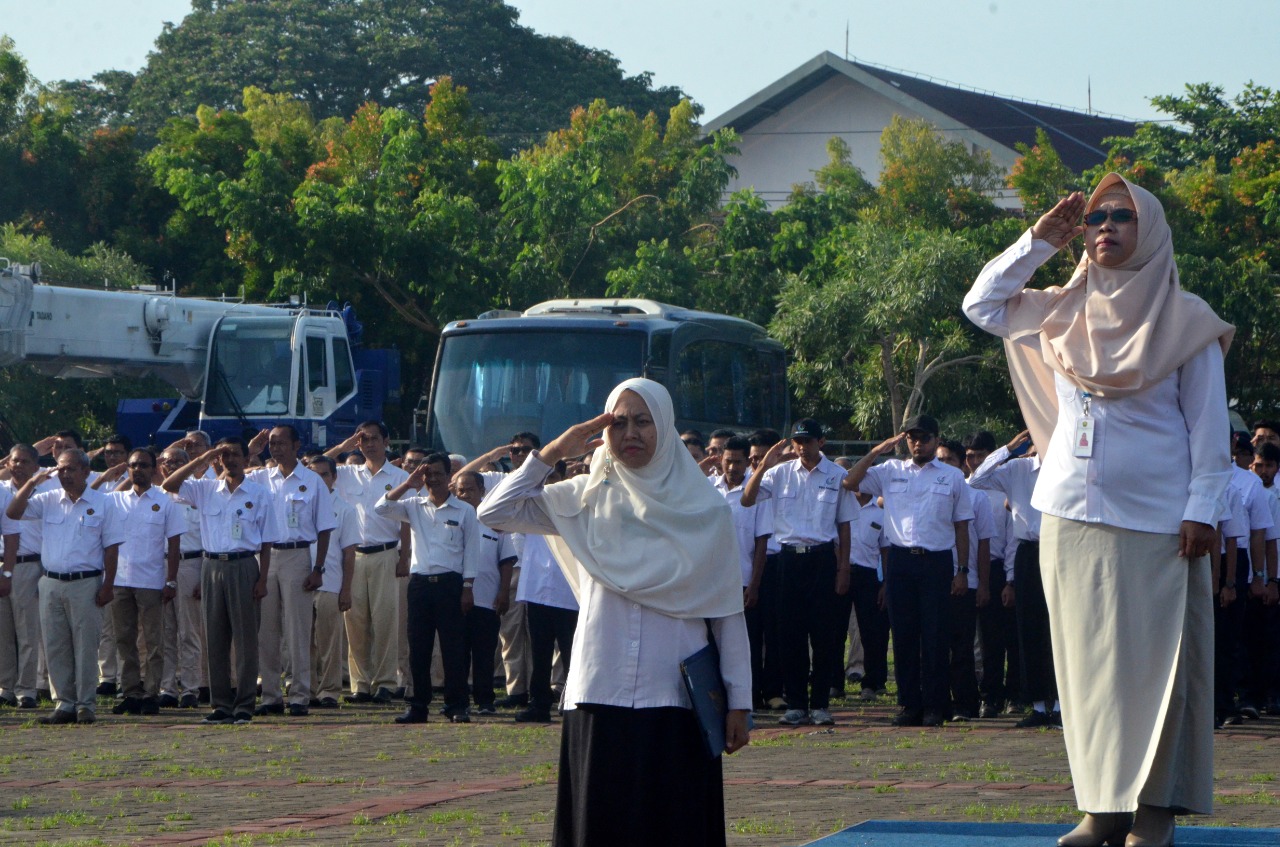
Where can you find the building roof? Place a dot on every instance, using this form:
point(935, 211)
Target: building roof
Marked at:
point(1077, 136)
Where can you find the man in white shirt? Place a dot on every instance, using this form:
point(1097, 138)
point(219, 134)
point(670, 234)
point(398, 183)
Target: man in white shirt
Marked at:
point(333, 597)
point(491, 592)
point(1255, 563)
point(146, 580)
point(866, 585)
point(382, 558)
point(754, 527)
point(304, 519)
point(185, 667)
point(1263, 683)
point(238, 526)
point(927, 514)
point(446, 541)
point(771, 675)
point(20, 641)
point(811, 516)
point(80, 542)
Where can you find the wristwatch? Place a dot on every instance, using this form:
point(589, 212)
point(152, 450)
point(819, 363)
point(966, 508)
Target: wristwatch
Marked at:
point(467, 583)
point(171, 584)
point(963, 569)
point(7, 574)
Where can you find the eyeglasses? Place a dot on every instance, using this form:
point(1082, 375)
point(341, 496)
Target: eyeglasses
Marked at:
point(520, 450)
point(1120, 216)
point(141, 465)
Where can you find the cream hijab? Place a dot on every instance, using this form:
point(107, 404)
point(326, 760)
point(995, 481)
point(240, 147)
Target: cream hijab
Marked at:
point(660, 535)
point(1110, 331)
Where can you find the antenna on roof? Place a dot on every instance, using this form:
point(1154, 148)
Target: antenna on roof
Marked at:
point(846, 39)
point(1089, 83)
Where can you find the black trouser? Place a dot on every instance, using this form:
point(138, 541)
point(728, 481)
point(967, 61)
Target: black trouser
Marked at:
point(549, 627)
point(480, 635)
point(1035, 643)
point(918, 586)
point(873, 626)
point(841, 614)
point(1228, 646)
point(768, 677)
point(1260, 648)
point(964, 675)
point(435, 609)
point(808, 610)
point(999, 628)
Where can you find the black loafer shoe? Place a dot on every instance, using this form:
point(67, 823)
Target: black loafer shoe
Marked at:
point(297, 710)
point(217, 716)
point(106, 689)
point(168, 701)
point(11, 702)
point(908, 717)
point(358, 697)
point(412, 715)
point(148, 706)
point(1034, 720)
point(189, 701)
point(26, 702)
point(56, 717)
point(932, 719)
point(326, 703)
point(383, 697)
point(85, 716)
point(127, 706)
point(269, 709)
point(242, 718)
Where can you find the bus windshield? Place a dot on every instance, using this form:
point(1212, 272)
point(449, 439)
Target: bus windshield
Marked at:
point(495, 384)
point(249, 367)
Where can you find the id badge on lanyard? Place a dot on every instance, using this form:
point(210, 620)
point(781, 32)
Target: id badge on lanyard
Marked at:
point(1085, 434)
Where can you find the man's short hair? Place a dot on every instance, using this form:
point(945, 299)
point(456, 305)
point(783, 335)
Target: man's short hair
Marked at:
point(178, 453)
point(723, 433)
point(81, 458)
point(416, 448)
point(1240, 443)
point(26, 449)
point(146, 451)
point(234, 440)
point(764, 437)
point(979, 440)
point(1274, 426)
point(293, 431)
point(72, 434)
point(1267, 452)
point(478, 478)
point(531, 437)
point(117, 438)
point(692, 436)
point(201, 436)
point(322, 459)
point(441, 459)
point(954, 447)
point(737, 442)
point(378, 425)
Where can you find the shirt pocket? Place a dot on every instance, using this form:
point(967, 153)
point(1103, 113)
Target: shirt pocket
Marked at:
point(898, 486)
point(448, 535)
point(941, 489)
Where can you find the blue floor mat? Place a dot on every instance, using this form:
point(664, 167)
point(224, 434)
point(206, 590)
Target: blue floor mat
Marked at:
point(940, 834)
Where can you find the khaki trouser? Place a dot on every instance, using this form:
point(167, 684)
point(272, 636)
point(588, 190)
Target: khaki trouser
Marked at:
point(373, 622)
point(326, 646)
point(20, 632)
point(285, 628)
point(513, 636)
point(71, 622)
point(108, 660)
point(134, 611)
point(184, 659)
point(231, 623)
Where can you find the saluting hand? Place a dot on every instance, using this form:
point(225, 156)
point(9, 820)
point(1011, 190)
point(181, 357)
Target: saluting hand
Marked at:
point(259, 442)
point(576, 440)
point(1061, 224)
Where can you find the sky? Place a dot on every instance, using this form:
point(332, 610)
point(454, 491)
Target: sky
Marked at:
point(720, 52)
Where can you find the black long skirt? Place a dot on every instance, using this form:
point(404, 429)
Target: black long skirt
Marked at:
point(637, 777)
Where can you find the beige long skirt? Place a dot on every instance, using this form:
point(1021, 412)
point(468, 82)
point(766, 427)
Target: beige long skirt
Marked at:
point(1132, 628)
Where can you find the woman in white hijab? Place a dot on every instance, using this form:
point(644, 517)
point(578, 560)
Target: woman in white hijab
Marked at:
point(650, 551)
point(1119, 374)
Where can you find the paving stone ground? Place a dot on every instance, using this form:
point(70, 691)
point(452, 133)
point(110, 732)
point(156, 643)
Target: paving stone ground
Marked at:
point(353, 777)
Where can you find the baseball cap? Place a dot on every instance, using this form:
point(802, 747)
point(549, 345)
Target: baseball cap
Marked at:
point(807, 428)
point(923, 423)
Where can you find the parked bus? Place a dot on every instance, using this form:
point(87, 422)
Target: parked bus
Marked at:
point(554, 365)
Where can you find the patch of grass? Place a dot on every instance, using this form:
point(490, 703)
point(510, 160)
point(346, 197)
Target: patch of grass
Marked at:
point(1257, 798)
point(398, 819)
point(23, 802)
point(452, 816)
point(361, 819)
point(1016, 812)
point(762, 826)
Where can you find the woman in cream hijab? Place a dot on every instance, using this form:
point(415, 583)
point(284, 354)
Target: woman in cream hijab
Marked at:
point(1119, 374)
point(650, 551)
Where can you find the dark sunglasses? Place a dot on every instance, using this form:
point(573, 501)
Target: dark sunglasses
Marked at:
point(518, 450)
point(1120, 216)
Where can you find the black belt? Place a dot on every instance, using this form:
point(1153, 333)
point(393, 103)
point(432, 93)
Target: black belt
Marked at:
point(193, 554)
point(72, 576)
point(809, 548)
point(31, 557)
point(437, 577)
point(917, 551)
point(377, 548)
point(292, 545)
point(230, 557)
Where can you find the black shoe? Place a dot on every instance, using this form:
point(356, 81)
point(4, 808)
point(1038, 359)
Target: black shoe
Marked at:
point(383, 697)
point(908, 717)
point(269, 709)
point(217, 716)
point(1055, 719)
point(932, 719)
point(1249, 711)
point(85, 716)
point(460, 717)
point(297, 710)
point(413, 714)
point(325, 703)
point(26, 702)
point(962, 716)
point(533, 715)
point(189, 701)
point(127, 706)
point(205, 697)
point(242, 718)
point(513, 701)
point(148, 706)
point(1034, 720)
point(990, 710)
point(1232, 720)
point(168, 701)
point(853, 676)
point(106, 689)
point(486, 709)
point(11, 702)
point(358, 697)
point(398, 694)
point(56, 717)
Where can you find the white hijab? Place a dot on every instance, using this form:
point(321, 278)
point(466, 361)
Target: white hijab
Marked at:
point(660, 535)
